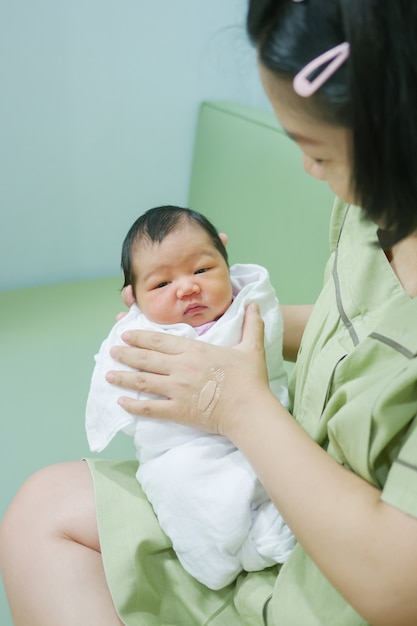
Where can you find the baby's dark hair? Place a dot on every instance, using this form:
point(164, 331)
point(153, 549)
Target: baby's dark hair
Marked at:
point(155, 224)
point(374, 93)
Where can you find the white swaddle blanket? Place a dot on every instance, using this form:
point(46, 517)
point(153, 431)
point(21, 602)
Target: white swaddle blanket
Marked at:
point(205, 494)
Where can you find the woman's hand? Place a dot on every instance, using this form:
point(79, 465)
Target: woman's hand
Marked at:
point(202, 385)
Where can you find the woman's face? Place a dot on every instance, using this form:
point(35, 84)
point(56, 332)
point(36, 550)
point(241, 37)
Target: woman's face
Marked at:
point(326, 149)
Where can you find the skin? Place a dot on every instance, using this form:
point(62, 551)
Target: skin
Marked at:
point(182, 279)
point(50, 552)
point(326, 150)
point(365, 547)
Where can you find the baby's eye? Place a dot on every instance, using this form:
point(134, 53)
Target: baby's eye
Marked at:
point(160, 285)
point(202, 270)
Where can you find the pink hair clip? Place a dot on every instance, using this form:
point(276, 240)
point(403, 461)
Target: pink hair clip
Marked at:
point(336, 57)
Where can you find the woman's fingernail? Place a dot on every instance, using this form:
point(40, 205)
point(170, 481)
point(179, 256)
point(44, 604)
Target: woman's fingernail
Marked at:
point(110, 377)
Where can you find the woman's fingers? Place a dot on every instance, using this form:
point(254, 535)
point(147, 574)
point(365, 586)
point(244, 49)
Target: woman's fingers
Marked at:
point(253, 329)
point(187, 395)
point(253, 339)
point(201, 385)
point(147, 343)
point(150, 408)
point(151, 351)
point(142, 382)
point(142, 359)
point(157, 342)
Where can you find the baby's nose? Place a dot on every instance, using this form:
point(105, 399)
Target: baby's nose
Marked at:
point(187, 287)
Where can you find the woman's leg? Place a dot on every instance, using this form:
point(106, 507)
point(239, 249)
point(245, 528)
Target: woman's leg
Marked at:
point(50, 554)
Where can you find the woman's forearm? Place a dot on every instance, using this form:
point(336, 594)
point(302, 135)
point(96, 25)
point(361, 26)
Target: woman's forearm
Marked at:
point(361, 544)
point(295, 318)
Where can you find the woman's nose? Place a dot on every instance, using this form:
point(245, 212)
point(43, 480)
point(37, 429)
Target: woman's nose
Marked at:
point(187, 287)
point(313, 167)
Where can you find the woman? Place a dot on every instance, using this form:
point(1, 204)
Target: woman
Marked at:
point(341, 77)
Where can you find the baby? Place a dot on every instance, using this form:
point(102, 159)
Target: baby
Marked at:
point(207, 498)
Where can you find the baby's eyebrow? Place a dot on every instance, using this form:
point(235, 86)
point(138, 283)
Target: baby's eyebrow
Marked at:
point(159, 271)
point(162, 268)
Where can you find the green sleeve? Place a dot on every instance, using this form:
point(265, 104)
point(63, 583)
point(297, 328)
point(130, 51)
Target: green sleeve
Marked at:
point(400, 489)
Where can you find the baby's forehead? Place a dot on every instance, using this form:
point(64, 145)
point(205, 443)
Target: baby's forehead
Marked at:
point(180, 246)
point(188, 229)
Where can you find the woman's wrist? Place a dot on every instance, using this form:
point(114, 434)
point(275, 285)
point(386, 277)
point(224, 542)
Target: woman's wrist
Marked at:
point(246, 424)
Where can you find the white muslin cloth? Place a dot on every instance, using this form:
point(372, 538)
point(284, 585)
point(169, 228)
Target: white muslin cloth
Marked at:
point(205, 494)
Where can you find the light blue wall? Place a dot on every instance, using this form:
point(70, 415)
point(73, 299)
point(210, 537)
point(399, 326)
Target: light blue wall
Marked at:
point(99, 101)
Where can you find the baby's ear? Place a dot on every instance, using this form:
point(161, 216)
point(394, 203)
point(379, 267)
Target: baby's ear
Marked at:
point(127, 295)
point(128, 299)
point(223, 238)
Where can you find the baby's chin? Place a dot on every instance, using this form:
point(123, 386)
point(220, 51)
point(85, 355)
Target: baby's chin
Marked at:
point(194, 321)
point(200, 320)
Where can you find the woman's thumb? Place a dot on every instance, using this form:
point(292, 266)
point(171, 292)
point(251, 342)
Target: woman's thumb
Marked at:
point(253, 328)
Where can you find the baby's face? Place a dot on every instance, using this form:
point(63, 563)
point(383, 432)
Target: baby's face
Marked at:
point(182, 279)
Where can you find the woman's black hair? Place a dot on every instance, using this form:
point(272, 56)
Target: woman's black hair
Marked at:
point(374, 93)
point(155, 224)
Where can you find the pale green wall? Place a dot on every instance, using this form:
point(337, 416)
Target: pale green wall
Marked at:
point(99, 101)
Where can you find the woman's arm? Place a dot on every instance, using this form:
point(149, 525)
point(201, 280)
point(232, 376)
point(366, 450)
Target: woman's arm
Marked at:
point(295, 318)
point(366, 548)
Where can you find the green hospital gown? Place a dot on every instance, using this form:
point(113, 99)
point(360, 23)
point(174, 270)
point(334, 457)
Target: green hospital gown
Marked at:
point(354, 390)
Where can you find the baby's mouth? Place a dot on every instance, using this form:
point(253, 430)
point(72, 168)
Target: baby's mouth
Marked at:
point(194, 309)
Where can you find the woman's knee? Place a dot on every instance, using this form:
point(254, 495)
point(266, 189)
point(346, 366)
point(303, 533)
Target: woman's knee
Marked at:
point(56, 501)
